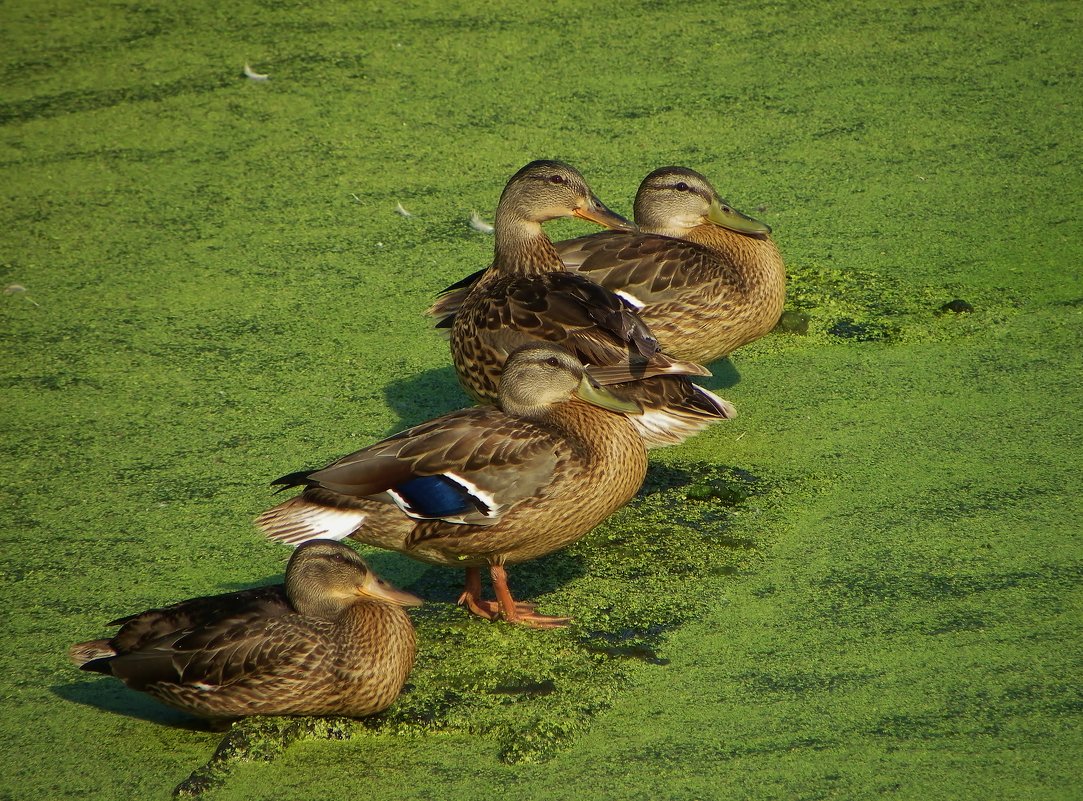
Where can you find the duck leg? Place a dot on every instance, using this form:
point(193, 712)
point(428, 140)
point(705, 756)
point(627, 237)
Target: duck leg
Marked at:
point(490, 610)
point(512, 611)
point(471, 597)
point(522, 613)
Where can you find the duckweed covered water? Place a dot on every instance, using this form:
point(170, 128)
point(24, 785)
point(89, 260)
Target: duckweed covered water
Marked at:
point(865, 585)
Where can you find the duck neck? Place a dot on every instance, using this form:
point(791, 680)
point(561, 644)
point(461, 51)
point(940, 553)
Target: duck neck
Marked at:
point(596, 430)
point(755, 261)
point(522, 248)
point(384, 629)
point(379, 624)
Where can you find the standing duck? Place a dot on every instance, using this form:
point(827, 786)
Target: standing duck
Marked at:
point(333, 640)
point(706, 278)
point(527, 295)
point(484, 486)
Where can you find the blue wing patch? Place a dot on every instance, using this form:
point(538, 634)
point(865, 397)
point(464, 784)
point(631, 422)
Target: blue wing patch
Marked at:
point(437, 496)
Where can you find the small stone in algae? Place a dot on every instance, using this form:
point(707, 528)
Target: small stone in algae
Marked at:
point(957, 306)
point(793, 322)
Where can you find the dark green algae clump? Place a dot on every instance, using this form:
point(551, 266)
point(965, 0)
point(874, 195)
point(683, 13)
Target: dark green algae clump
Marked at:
point(649, 568)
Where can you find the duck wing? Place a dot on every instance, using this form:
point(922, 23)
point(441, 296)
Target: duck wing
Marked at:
point(645, 269)
point(220, 653)
point(137, 630)
point(451, 298)
point(597, 325)
point(466, 467)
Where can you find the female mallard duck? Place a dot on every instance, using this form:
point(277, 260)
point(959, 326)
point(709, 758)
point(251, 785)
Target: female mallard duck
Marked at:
point(333, 640)
point(483, 486)
point(705, 278)
point(526, 295)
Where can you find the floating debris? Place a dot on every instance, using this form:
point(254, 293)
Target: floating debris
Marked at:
point(252, 75)
point(18, 289)
point(479, 224)
point(400, 210)
point(957, 306)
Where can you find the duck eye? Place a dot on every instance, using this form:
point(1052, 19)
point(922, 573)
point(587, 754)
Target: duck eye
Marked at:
point(557, 179)
point(681, 186)
point(552, 361)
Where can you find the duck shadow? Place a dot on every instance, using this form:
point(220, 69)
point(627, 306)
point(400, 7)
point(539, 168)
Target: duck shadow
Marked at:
point(435, 584)
point(527, 581)
point(110, 695)
point(423, 396)
point(724, 374)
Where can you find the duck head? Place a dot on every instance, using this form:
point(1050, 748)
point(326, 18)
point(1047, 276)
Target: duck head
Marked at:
point(538, 376)
point(545, 190)
point(673, 200)
point(325, 577)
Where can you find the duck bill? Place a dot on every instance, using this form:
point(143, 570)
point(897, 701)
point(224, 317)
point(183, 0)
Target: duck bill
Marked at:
point(597, 212)
point(600, 396)
point(382, 591)
point(728, 217)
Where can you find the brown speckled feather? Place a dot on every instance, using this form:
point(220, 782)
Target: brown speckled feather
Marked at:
point(249, 665)
point(703, 296)
point(702, 301)
point(704, 290)
point(526, 295)
point(505, 458)
point(487, 485)
point(492, 323)
point(336, 642)
point(140, 629)
point(530, 470)
point(560, 307)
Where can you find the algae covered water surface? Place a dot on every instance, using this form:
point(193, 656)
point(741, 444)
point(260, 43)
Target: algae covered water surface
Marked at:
point(865, 585)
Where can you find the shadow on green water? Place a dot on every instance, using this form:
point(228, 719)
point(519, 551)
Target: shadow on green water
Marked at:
point(440, 585)
point(424, 396)
point(724, 374)
point(110, 695)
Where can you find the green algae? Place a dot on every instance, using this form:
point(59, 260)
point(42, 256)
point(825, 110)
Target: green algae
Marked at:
point(223, 292)
point(531, 692)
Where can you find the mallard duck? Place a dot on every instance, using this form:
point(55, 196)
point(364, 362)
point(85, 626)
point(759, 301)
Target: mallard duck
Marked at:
point(526, 295)
point(485, 486)
point(706, 278)
point(333, 640)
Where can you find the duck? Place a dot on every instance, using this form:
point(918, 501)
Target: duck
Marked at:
point(334, 639)
point(483, 487)
point(527, 295)
point(706, 278)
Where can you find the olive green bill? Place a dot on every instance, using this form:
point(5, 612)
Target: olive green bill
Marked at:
point(724, 215)
point(600, 396)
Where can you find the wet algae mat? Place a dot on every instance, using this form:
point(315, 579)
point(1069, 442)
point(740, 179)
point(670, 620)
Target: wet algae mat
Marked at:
point(866, 585)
